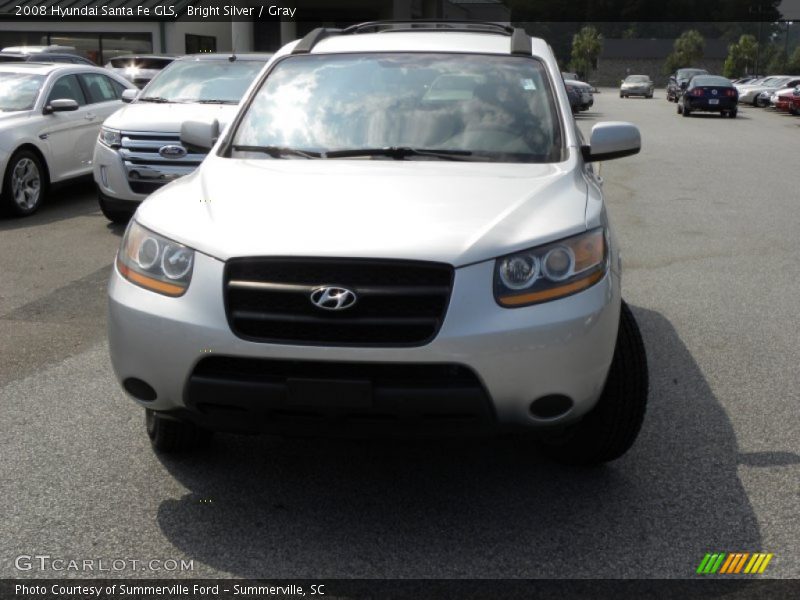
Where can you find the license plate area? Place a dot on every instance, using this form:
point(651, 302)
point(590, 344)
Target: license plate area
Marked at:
point(329, 393)
point(713, 101)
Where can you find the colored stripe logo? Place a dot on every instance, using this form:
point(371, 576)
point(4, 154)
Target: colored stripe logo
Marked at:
point(734, 563)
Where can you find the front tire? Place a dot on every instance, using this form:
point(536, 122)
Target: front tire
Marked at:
point(24, 184)
point(609, 430)
point(171, 437)
point(115, 215)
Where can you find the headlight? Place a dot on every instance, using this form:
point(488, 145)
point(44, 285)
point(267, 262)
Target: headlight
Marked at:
point(154, 262)
point(110, 137)
point(552, 271)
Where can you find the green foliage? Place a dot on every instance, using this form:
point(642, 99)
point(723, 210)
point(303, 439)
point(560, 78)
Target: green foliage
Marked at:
point(794, 62)
point(741, 57)
point(688, 49)
point(586, 47)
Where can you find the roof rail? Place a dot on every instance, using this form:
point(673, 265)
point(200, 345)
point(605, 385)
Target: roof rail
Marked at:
point(417, 24)
point(311, 39)
point(520, 41)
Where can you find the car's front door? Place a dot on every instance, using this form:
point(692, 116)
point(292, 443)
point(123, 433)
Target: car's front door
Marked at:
point(69, 135)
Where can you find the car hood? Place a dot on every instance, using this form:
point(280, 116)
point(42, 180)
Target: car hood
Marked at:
point(148, 116)
point(10, 119)
point(454, 212)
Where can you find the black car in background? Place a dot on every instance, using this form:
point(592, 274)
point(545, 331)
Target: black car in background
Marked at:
point(709, 93)
point(678, 78)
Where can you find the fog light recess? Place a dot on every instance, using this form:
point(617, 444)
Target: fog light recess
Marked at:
point(550, 407)
point(139, 389)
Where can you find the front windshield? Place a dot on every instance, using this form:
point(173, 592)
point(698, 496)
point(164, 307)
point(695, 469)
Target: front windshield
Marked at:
point(203, 81)
point(18, 91)
point(637, 79)
point(489, 108)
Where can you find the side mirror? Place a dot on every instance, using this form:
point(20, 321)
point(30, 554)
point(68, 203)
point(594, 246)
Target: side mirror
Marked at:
point(684, 85)
point(129, 95)
point(199, 134)
point(610, 140)
point(60, 105)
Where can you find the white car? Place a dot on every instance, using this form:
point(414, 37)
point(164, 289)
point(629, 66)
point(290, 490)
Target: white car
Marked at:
point(50, 117)
point(750, 94)
point(140, 149)
point(365, 250)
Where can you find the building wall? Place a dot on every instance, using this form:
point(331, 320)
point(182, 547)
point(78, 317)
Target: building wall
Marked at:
point(173, 35)
point(611, 70)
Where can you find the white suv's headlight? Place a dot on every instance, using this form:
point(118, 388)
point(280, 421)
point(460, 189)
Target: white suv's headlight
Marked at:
point(154, 262)
point(552, 271)
point(110, 137)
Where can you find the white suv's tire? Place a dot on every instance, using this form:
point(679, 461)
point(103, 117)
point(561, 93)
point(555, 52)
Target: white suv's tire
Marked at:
point(611, 427)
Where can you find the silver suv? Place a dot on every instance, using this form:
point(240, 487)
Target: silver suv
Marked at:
point(400, 231)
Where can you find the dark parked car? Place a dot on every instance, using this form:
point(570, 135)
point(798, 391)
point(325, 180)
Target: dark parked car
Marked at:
point(708, 93)
point(139, 69)
point(678, 78)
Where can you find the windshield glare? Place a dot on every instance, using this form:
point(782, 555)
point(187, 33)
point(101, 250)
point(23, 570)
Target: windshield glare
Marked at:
point(204, 80)
point(637, 79)
point(18, 91)
point(497, 108)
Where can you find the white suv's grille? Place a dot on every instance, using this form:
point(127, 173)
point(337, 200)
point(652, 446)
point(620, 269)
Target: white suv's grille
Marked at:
point(145, 166)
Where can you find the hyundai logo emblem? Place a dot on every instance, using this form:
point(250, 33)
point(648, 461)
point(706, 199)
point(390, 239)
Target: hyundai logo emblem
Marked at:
point(333, 298)
point(172, 151)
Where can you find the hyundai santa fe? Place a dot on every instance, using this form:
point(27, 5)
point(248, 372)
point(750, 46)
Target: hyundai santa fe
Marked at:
point(400, 231)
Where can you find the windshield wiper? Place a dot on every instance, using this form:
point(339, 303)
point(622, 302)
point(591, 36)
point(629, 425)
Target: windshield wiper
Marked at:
point(156, 99)
point(278, 151)
point(399, 153)
point(216, 102)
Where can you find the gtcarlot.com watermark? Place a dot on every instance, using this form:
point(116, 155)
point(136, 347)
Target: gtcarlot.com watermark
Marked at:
point(46, 562)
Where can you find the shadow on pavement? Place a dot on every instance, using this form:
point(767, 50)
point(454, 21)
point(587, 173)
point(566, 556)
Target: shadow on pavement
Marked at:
point(267, 507)
point(64, 202)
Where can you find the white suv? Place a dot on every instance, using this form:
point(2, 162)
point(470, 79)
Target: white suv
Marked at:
point(400, 231)
point(139, 148)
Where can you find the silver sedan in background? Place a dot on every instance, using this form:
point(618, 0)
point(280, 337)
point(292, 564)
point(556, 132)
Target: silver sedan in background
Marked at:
point(636, 85)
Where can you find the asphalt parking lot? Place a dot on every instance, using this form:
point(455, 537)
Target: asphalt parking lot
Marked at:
point(707, 220)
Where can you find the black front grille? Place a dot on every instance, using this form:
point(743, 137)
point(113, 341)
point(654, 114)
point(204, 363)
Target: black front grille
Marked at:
point(399, 302)
point(250, 393)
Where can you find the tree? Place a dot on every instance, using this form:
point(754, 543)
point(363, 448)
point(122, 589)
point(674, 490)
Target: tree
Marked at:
point(741, 57)
point(586, 47)
point(688, 49)
point(794, 62)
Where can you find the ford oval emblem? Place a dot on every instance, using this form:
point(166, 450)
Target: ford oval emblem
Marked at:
point(172, 151)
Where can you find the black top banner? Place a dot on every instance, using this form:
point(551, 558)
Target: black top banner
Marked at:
point(518, 11)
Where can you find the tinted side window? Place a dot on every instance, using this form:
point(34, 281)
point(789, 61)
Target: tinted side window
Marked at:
point(67, 87)
point(118, 87)
point(99, 87)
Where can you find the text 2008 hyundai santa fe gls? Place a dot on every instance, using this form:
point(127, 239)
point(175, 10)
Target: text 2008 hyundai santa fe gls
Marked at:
point(400, 231)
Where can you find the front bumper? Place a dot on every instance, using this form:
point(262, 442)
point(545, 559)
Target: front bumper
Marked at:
point(109, 174)
point(564, 347)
